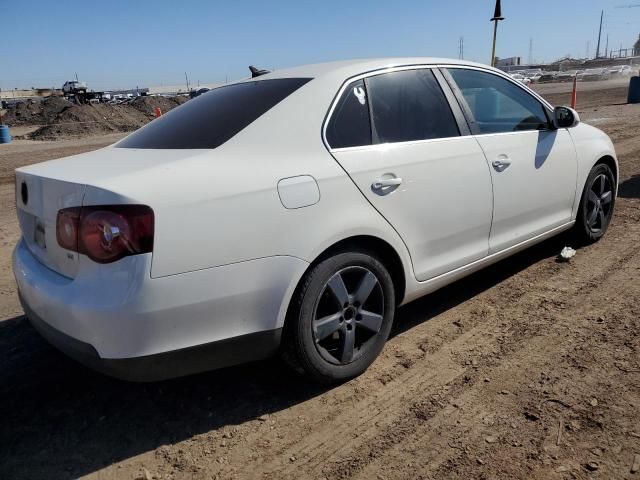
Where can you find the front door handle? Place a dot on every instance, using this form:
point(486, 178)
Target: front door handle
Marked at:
point(386, 185)
point(501, 164)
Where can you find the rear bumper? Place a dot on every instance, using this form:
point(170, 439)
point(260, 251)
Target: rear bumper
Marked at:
point(116, 319)
point(161, 366)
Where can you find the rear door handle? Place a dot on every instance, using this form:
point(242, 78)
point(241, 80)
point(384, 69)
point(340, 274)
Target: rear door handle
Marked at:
point(386, 182)
point(386, 185)
point(501, 165)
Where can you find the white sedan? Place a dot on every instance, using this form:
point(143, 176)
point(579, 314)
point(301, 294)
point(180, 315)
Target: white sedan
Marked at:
point(295, 211)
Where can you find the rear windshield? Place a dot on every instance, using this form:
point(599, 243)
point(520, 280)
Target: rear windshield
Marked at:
point(213, 118)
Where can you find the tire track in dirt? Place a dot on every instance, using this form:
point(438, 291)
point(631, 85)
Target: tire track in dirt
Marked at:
point(482, 407)
point(385, 416)
point(547, 338)
point(392, 383)
point(8, 238)
point(557, 355)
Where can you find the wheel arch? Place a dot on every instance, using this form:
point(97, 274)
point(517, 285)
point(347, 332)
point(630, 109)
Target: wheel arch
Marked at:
point(610, 162)
point(375, 246)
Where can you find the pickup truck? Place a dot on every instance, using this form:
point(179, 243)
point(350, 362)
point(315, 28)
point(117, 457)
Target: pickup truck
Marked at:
point(74, 86)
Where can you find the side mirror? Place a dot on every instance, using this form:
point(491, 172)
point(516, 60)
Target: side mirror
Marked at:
point(565, 117)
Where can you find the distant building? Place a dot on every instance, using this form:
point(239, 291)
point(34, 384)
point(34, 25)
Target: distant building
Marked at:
point(508, 62)
point(636, 48)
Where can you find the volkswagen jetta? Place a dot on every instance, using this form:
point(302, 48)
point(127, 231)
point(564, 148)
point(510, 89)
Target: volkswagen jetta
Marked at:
point(295, 211)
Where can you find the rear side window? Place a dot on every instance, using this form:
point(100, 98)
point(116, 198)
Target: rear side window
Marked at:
point(350, 124)
point(211, 119)
point(497, 104)
point(409, 105)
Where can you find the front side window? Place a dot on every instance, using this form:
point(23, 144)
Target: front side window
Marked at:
point(409, 105)
point(498, 105)
point(350, 125)
point(211, 119)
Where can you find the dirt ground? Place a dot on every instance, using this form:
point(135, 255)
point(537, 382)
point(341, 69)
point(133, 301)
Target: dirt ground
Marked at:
point(529, 369)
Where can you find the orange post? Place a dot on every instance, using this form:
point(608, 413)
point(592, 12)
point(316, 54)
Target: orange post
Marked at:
point(158, 112)
point(574, 93)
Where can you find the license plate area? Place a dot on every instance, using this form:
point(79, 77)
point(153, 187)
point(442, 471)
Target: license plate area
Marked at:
point(39, 237)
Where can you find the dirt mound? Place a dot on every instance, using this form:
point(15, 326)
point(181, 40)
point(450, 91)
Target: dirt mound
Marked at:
point(148, 105)
point(35, 112)
point(61, 119)
point(83, 120)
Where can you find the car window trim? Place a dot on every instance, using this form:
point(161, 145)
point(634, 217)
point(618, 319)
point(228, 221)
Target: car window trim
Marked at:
point(381, 71)
point(546, 107)
point(462, 103)
point(372, 125)
point(461, 119)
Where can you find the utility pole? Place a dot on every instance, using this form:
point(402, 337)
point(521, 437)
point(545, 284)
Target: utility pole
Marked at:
point(461, 49)
point(606, 49)
point(531, 51)
point(497, 17)
point(599, 35)
point(187, 79)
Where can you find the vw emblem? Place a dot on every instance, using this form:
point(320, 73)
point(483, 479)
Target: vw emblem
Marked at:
point(24, 193)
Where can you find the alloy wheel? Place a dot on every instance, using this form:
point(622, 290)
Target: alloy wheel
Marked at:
point(348, 315)
point(599, 202)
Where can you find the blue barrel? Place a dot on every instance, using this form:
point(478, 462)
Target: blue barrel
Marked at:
point(5, 136)
point(634, 90)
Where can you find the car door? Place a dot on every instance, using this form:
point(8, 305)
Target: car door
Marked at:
point(533, 165)
point(411, 155)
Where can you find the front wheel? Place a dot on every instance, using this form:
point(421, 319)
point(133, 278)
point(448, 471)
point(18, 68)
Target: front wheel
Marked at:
point(340, 317)
point(596, 205)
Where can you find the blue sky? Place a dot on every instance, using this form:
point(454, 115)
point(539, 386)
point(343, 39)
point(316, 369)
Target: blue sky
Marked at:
point(124, 43)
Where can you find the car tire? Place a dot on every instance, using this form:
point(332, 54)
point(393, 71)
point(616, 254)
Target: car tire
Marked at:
point(340, 317)
point(596, 205)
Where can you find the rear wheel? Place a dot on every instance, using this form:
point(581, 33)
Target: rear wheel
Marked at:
point(596, 205)
point(340, 317)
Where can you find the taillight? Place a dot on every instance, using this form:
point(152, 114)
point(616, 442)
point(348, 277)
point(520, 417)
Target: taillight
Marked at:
point(67, 228)
point(106, 233)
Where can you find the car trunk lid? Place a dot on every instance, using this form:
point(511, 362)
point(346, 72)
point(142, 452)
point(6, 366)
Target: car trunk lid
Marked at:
point(63, 183)
point(38, 200)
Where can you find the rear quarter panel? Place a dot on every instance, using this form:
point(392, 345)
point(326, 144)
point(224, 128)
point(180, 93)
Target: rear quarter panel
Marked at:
point(222, 206)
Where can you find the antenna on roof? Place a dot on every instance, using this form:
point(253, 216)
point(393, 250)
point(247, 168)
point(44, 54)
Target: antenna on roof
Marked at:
point(255, 72)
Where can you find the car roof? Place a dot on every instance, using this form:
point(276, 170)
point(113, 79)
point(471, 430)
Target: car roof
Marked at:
point(349, 68)
point(328, 77)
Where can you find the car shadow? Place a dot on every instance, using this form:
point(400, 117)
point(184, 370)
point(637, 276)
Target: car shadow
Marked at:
point(630, 188)
point(546, 140)
point(64, 421)
point(459, 292)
